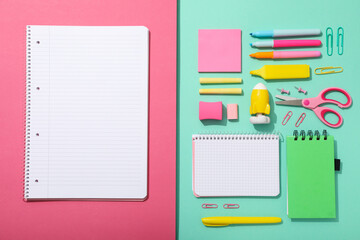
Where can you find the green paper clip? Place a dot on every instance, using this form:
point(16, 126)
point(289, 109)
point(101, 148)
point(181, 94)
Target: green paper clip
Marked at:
point(340, 40)
point(329, 41)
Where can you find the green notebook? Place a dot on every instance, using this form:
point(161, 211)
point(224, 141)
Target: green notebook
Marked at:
point(311, 177)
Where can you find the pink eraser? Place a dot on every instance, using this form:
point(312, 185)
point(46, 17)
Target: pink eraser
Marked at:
point(210, 110)
point(232, 111)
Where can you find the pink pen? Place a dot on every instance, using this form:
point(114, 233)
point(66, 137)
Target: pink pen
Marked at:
point(286, 43)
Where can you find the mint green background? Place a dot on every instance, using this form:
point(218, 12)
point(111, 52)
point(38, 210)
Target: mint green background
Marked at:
point(266, 15)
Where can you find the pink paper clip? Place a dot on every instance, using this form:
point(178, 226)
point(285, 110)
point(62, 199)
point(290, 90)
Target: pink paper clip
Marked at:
point(231, 206)
point(301, 119)
point(209, 205)
point(287, 118)
point(284, 91)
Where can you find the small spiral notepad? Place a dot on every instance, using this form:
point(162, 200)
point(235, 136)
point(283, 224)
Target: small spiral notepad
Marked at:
point(236, 165)
point(311, 181)
point(86, 113)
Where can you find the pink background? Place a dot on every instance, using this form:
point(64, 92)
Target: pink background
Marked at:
point(88, 220)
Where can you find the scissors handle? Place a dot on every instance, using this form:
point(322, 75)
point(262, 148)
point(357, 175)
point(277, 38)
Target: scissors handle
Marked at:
point(321, 99)
point(320, 113)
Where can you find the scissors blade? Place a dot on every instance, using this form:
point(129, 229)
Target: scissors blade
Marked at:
point(286, 97)
point(297, 102)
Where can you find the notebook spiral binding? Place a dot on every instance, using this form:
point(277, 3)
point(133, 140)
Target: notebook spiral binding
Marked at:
point(310, 134)
point(235, 136)
point(27, 114)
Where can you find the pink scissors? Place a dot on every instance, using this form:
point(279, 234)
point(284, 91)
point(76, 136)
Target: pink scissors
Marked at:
point(313, 103)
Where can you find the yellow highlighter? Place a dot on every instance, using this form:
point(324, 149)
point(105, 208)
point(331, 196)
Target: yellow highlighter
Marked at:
point(225, 221)
point(268, 72)
point(221, 91)
point(220, 80)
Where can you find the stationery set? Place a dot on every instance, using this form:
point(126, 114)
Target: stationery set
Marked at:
point(240, 165)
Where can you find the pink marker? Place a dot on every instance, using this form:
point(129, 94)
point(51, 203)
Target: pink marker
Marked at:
point(286, 43)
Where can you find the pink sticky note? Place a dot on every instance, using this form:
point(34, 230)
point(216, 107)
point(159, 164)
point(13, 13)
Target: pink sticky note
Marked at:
point(219, 50)
point(210, 110)
point(232, 111)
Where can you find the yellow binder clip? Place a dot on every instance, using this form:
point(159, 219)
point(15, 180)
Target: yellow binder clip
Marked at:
point(328, 70)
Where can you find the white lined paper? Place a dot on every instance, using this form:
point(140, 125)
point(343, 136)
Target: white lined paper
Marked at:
point(91, 112)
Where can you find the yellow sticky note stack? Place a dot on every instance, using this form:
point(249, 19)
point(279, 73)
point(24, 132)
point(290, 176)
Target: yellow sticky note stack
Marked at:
point(268, 72)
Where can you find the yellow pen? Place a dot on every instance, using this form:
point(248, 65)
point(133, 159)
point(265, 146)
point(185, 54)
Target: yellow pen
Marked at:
point(221, 91)
point(225, 221)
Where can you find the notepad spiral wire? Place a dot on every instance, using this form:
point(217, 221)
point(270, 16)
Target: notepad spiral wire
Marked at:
point(219, 135)
point(28, 111)
point(302, 135)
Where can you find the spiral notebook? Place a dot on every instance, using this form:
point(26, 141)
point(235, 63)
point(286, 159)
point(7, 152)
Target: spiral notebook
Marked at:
point(311, 175)
point(236, 165)
point(87, 113)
